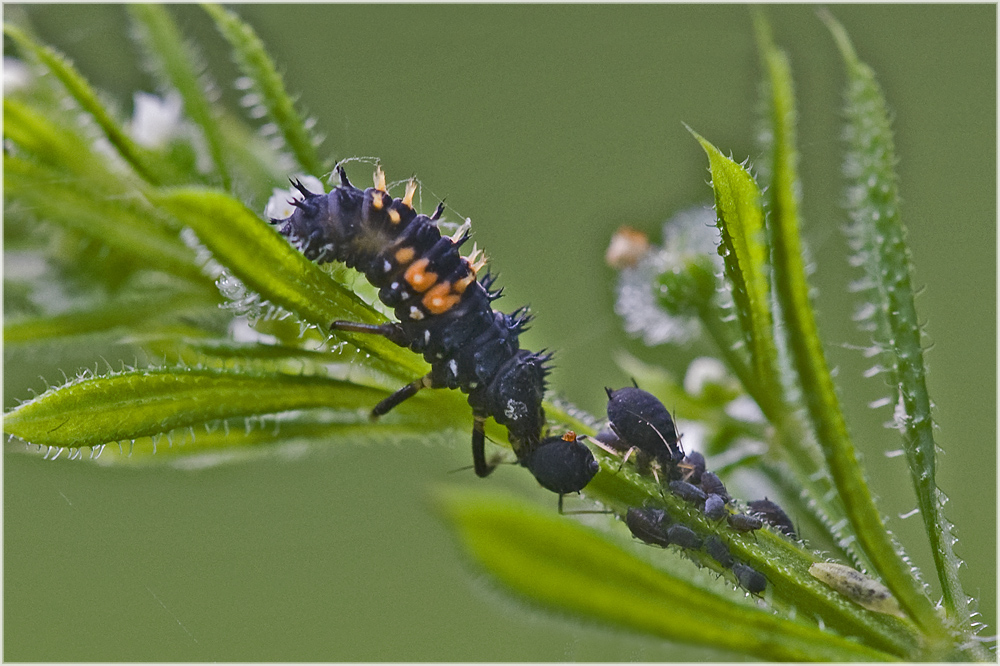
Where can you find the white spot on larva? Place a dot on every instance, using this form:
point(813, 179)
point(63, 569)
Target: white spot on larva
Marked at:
point(416, 313)
point(453, 367)
point(386, 266)
point(404, 295)
point(515, 409)
point(427, 336)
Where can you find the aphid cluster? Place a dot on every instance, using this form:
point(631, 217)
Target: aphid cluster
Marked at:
point(443, 310)
point(639, 424)
point(656, 527)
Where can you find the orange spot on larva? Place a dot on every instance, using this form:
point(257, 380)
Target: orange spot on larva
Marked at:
point(419, 277)
point(570, 436)
point(394, 215)
point(404, 255)
point(377, 200)
point(440, 299)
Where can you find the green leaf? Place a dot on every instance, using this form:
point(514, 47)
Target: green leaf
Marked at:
point(805, 459)
point(38, 133)
point(267, 264)
point(563, 566)
point(218, 444)
point(114, 222)
point(744, 250)
point(176, 64)
point(806, 349)
point(255, 63)
point(879, 238)
point(131, 312)
point(91, 411)
point(142, 160)
point(785, 563)
point(343, 362)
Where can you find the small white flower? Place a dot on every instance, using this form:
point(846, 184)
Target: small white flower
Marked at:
point(16, 75)
point(155, 120)
point(278, 208)
point(704, 370)
point(745, 409)
point(690, 231)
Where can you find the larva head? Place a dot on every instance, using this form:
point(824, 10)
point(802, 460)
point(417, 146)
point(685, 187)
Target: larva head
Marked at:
point(321, 221)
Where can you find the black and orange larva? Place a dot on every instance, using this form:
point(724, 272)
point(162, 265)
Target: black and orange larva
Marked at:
point(444, 313)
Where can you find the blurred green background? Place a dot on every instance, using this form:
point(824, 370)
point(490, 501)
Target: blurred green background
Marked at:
point(550, 126)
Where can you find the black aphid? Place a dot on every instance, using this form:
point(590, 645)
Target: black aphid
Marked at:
point(741, 522)
point(694, 466)
point(649, 525)
point(683, 536)
point(712, 484)
point(644, 425)
point(774, 516)
point(561, 464)
point(715, 507)
point(719, 551)
point(750, 579)
point(609, 441)
point(687, 492)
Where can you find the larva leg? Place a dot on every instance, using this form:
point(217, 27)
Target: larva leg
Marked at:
point(483, 469)
point(391, 332)
point(402, 394)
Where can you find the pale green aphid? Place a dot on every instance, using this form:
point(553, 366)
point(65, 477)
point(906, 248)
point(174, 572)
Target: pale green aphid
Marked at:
point(857, 587)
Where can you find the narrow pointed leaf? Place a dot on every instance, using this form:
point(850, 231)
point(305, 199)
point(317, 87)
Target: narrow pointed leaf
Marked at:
point(741, 222)
point(176, 63)
point(806, 349)
point(255, 63)
point(140, 403)
point(237, 441)
point(343, 362)
point(805, 458)
point(128, 312)
point(267, 264)
point(880, 242)
point(38, 133)
point(561, 565)
point(112, 222)
point(78, 87)
point(744, 251)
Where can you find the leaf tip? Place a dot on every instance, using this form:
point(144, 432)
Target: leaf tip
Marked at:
point(839, 36)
